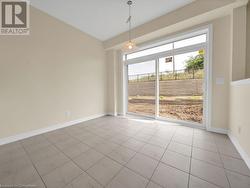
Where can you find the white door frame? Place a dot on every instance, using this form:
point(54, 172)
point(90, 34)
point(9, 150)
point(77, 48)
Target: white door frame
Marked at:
point(207, 94)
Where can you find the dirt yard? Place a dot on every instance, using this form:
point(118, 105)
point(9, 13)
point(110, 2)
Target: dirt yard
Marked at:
point(184, 108)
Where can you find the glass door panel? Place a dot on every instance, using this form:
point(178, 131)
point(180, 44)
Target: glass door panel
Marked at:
point(141, 88)
point(181, 86)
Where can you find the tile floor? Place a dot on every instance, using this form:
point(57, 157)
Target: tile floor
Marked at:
point(124, 153)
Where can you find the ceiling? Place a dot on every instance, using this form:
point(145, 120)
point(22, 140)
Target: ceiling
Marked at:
point(104, 19)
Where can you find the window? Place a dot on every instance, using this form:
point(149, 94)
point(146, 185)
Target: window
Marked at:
point(190, 41)
point(169, 85)
point(150, 51)
point(168, 47)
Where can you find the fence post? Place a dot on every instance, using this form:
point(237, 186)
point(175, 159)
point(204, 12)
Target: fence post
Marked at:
point(193, 73)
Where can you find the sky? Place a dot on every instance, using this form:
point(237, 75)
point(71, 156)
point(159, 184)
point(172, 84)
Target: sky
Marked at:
point(149, 66)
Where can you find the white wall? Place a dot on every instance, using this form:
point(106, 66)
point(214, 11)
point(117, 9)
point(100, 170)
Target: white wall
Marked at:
point(248, 42)
point(111, 76)
point(239, 115)
point(239, 43)
point(53, 70)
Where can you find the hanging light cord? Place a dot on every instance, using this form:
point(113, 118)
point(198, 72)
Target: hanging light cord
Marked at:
point(129, 19)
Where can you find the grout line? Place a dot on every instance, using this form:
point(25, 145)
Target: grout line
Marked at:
point(223, 166)
point(207, 181)
point(204, 162)
point(27, 153)
point(92, 147)
point(121, 145)
point(124, 165)
point(190, 165)
point(162, 157)
point(75, 164)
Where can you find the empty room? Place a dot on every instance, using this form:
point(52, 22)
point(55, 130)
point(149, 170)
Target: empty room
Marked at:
point(124, 94)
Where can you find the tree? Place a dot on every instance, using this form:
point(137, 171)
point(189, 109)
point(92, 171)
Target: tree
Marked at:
point(194, 63)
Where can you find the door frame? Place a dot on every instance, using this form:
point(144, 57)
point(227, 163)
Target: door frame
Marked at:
point(207, 81)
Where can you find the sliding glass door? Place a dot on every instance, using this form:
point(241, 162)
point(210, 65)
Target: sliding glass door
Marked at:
point(168, 82)
point(141, 88)
point(181, 86)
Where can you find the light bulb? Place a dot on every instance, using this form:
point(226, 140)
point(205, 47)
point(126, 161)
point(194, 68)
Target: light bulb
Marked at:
point(130, 45)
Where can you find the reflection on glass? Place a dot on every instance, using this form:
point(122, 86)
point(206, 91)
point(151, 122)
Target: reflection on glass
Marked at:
point(180, 86)
point(190, 41)
point(150, 51)
point(166, 47)
point(141, 88)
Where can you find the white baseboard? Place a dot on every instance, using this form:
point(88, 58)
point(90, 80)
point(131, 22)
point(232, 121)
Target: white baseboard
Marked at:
point(111, 114)
point(241, 151)
point(46, 129)
point(217, 130)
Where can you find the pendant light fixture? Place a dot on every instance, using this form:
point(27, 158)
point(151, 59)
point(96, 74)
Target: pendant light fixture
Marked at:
point(130, 44)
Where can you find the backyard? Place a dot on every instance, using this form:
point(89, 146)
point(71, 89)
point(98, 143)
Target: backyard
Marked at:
point(188, 108)
point(180, 87)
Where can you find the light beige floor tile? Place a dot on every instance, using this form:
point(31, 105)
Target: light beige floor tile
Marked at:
point(203, 144)
point(163, 135)
point(106, 147)
point(47, 165)
point(149, 139)
point(10, 147)
point(63, 144)
point(210, 157)
point(128, 179)
point(93, 141)
point(134, 144)
point(122, 155)
point(155, 140)
point(88, 159)
point(24, 176)
point(229, 151)
point(143, 165)
point(84, 181)
point(235, 165)
point(37, 146)
point(152, 151)
point(187, 140)
point(170, 177)
point(34, 141)
point(120, 139)
point(177, 160)
point(153, 185)
point(180, 148)
point(104, 170)
point(13, 167)
point(38, 183)
point(84, 136)
point(204, 135)
point(210, 173)
point(11, 155)
point(58, 138)
point(142, 137)
point(238, 181)
point(76, 150)
point(195, 182)
point(62, 175)
point(222, 140)
point(44, 153)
